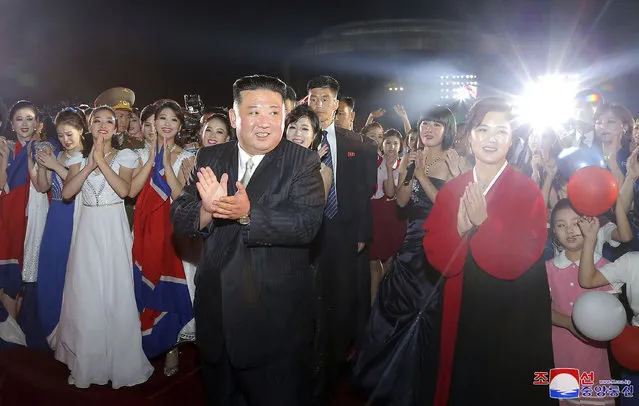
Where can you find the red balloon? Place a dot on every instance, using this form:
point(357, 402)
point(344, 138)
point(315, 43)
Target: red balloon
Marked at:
point(625, 348)
point(592, 190)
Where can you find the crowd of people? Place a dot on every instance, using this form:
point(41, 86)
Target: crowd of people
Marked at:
point(296, 251)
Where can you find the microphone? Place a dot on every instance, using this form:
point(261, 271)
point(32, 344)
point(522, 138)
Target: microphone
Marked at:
point(410, 172)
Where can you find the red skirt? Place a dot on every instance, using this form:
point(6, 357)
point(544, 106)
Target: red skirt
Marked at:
point(388, 230)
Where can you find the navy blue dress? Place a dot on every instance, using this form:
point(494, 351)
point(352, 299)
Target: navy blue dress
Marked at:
point(396, 361)
point(54, 254)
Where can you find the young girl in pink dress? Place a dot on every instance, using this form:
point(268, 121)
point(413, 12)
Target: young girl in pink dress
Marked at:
point(570, 348)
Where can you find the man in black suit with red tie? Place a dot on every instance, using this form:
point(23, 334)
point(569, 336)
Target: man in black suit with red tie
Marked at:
point(258, 203)
point(347, 225)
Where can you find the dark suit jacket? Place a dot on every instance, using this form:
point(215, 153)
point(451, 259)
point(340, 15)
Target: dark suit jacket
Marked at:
point(353, 196)
point(369, 176)
point(253, 285)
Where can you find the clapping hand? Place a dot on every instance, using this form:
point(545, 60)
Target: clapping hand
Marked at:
point(166, 156)
point(4, 150)
point(322, 151)
point(185, 170)
point(91, 163)
point(46, 159)
point(421, 170)
point(233, 207)
point(98, 150)
point(153, 151)
point(391, 158)
point(589, 227)
point(463, 223)
point(453, 161)
point(419, 160)
point(210, 190)
point(475, 203)
point(632, 165)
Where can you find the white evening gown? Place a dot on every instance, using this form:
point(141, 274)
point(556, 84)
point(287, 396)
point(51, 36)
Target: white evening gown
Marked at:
point(98, 335)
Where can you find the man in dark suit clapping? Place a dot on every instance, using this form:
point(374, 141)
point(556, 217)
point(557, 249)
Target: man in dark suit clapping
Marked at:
point(258, 203)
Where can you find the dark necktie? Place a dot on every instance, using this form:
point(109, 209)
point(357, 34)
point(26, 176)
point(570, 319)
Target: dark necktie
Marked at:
point(330, 210)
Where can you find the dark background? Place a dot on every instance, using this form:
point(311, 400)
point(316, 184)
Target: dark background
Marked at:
point(53, 51)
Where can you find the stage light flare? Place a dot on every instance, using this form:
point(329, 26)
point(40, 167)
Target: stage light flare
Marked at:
point(461, 94)
point(549, 101)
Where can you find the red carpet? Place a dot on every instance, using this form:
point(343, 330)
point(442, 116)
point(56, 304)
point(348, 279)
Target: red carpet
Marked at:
point(32, 378)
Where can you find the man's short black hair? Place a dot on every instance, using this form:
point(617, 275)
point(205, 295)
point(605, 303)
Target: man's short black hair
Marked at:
point(349, 101)
point(323, 82)
point(290, 94)
point(257, 82)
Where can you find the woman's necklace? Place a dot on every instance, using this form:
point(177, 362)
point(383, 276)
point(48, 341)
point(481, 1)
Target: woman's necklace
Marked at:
point(171, 148)
point(433, 162)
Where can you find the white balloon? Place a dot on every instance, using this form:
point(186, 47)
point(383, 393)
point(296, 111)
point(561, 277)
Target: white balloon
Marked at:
point(599, 315)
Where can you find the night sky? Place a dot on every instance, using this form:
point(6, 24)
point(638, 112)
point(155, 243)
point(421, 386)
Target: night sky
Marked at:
point(72, 50)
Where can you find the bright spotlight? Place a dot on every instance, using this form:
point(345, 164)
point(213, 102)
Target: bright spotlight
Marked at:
point(401, 89)
point(464, 93)
point(548, 102)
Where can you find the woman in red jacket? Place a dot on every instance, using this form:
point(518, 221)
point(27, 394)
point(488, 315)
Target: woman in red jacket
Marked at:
point(486, 234)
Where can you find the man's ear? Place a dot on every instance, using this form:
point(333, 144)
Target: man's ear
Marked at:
point(232, 118)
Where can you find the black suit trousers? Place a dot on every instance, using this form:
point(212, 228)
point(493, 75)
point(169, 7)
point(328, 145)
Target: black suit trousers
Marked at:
point(282, 382)
point(338, 265)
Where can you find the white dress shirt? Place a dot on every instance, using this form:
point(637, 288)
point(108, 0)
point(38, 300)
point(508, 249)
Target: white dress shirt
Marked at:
point(624, 270)
point(331, 137)
point(243, 157)
point(587, 137)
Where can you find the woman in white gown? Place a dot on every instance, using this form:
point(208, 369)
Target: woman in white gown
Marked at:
point(98, 336)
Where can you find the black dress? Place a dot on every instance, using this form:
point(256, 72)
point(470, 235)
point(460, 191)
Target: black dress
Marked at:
point(482, 356)
point(396, 360)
